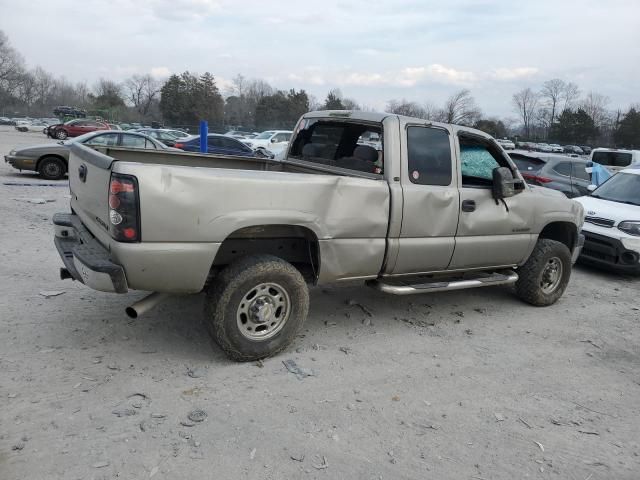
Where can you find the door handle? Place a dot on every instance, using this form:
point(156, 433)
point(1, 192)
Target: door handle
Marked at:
point(468, 205)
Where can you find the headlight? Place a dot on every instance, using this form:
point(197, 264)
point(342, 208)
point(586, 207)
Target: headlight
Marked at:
point(630, 227)
point(631, 243)
point(13, 152)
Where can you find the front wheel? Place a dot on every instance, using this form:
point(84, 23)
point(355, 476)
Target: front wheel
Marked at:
point(256, 306)
point(61, 135)
point(545, 276)
point(52, 168)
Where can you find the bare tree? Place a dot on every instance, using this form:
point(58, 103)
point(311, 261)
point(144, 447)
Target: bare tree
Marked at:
point(570, 95)
point(239, 85)
point(405, 107)
point(526, 104)
point(595, 105)
point(11, 65)
point(461, 109)
point(44, 84)
point(142, 91)
point(350, 104)
point(552, 92)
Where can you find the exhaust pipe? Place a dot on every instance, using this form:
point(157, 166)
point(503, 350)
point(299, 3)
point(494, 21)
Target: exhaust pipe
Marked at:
point(146, 304)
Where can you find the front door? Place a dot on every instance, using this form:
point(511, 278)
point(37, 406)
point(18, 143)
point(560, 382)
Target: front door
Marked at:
point(490, 233)
point(431, 202)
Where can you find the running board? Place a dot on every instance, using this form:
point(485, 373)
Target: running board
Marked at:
point(402, 287)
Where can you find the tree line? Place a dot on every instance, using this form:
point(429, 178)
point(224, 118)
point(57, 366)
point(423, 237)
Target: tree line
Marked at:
point(556, 112)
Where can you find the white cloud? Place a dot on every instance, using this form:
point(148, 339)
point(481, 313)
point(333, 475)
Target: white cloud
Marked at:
point(180, 10)
point(513, 73)
point(160, 72)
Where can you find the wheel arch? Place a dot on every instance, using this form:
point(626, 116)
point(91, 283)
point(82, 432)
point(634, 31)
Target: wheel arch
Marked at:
point(563, 232)
point(295, 244)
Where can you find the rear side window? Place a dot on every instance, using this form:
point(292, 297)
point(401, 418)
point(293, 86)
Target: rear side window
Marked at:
point(429, 156)
point(612, 159)
point(579, 171)
point(563, 168)
point(335, 144)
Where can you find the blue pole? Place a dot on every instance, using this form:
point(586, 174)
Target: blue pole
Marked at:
point(204, 134)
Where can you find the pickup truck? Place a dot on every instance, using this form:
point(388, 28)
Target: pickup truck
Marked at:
point(437, 207)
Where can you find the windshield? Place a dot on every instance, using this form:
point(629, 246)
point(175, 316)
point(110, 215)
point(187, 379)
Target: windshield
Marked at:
point(264, 136)
point(622, 188)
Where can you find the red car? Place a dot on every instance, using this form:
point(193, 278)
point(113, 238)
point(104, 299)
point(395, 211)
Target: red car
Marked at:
point(75, 128)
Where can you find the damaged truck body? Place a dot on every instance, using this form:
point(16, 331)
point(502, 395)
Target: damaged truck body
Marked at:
point(433, 207)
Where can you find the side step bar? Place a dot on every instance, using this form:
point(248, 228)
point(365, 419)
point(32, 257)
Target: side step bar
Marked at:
point(402, 288)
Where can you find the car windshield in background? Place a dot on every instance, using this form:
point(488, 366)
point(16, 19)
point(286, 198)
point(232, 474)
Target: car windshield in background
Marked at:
point(622, 188)
point(612, 159)
point(264, 136)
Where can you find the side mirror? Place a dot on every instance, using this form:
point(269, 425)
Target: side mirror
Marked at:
point(503, 183)
point(591, 188)
point(273, 140)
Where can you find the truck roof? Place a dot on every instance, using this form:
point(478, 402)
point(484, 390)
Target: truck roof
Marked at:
point(380, 116)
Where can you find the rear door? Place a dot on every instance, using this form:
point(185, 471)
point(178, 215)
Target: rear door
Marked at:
point(581, 179)
point(490, 233)
point(431, 201)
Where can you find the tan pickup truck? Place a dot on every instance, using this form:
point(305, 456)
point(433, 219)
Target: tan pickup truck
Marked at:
point(429, 208)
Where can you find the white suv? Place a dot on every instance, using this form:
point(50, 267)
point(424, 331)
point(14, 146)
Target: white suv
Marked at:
point(612, 223)
point(274, 141)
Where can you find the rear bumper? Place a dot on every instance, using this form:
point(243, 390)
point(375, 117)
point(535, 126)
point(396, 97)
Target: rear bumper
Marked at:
point(85, 259)
point(609, 252)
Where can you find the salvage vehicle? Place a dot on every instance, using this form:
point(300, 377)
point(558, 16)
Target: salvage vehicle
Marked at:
point(612, 223)
point(448, 210)
point(568, 175)
point(51, 160)
point(75, 128)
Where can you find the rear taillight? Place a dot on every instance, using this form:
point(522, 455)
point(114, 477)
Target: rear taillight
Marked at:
point(124, 211)
point(537, 178)
point(179, 145)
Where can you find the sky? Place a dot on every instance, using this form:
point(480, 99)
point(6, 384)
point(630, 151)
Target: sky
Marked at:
point(373, 51)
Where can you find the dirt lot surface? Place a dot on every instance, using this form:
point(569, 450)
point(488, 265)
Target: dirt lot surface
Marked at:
point(463, 385)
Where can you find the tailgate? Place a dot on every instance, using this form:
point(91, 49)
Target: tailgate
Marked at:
point(89, 176)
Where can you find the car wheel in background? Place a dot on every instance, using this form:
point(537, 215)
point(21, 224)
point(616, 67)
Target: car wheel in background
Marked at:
point(255, 307)
point(52, 168)
point(61, 135)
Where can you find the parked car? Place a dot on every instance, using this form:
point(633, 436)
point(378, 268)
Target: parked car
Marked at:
point(449, 210)
point(612, 223)
point(218, 144)
point(273, 141)
point(573, 149)
point(555, 148)
point(6, 121)
point(176, 133)
point(51, 160)
point(506, 143)
point(615, 159)
point(586, 149)
point(114, 126)
point(544, 147)
point(559, 172)
point(165, 136)
point(75, 128)
point(35, 126)
point(63, 110)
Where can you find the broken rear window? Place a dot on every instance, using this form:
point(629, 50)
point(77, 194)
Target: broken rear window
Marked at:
point(340, 144)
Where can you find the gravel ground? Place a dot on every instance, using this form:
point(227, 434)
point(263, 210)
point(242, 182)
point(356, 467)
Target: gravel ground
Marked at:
point(462, 385)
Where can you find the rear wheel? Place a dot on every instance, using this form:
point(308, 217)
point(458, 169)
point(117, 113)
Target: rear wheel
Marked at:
point(545, 276)
point(52, 168)
point(61, 135)
point(256, 306)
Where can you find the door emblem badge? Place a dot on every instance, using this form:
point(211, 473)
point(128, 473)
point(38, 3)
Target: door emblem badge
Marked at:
point(591, 212)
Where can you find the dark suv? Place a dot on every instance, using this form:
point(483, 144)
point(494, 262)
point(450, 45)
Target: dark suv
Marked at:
point(63, 111)
point(559, 172)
